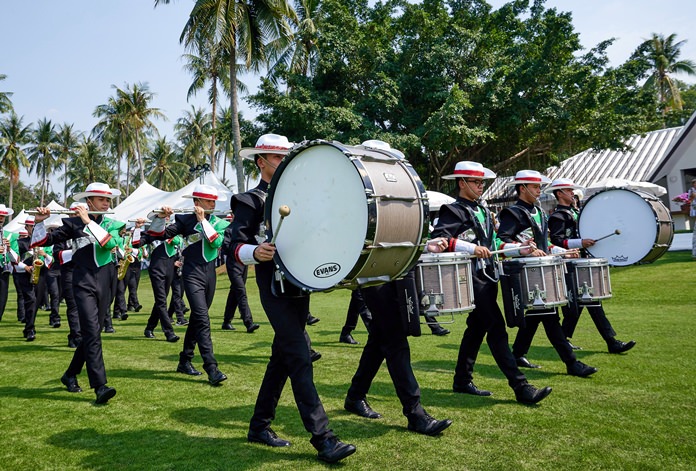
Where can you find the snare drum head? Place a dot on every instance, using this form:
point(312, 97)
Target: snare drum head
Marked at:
point(324, 234)
point(629, 212)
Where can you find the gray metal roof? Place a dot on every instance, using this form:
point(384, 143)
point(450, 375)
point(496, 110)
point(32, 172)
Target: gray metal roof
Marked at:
point(645, 154)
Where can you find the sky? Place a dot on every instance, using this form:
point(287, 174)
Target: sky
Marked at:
point(61, 58)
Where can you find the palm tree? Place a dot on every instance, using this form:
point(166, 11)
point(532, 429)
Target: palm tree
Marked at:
point(89, 165)
point(43, 152)
point(12, 157)
point(242, 28)
point(134, 103)
point(663, 54)
point(165, 166)
point(193, 131)
point(298, 53)
point(68, 142)
point(113, 132)
point(5, 102)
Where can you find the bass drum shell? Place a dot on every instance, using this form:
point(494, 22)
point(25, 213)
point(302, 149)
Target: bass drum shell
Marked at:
point(645, 225)
point(359, 216)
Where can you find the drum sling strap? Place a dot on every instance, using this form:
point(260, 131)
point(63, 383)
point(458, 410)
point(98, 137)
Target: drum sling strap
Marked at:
point(540, 237)
point(485, 238)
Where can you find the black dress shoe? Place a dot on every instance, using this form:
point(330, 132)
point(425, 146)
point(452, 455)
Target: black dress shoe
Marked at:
point(138, 307)
point(188, 369)
point(573, 347)
point(149, 334)
point(617, 346)
point(267, 437)
point(332, 450)
point(360, 407)
point(528, 394)
point(425, 424)
point(440, 331)
point(31, 336)
point(116, 315)
point(124, 316)
point(227, 326)
point(72, 343)
point(216, 377)
point(172, 338)
point(311, 320)
point(524, 363)
point(70, 382)
point(580, 369)
point(314, 355)
point(104, 393)
point(182, 322)
point(251, 328)
point(56, 325)
point(470, 388)
point(347, 339)
point(109, 330)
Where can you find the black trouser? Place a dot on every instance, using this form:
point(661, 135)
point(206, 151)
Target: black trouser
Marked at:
point(356, 308)
point(289, 359)
point(199, 284)
point(53, 289)
point(554, 332)
point(4, 290)
point(23, 281)
point(91, 289)
point(570, 321)
point(176, 303)
point(386, 340)
point(237, 297)
point(120, 298)
point(21, 314)
point(112, 273)
point(161, 276)
point(132, 282)
point(486, 320)
point(66, 279)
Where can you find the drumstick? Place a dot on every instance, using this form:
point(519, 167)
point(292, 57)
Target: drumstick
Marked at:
point(616, 232)
point(284, 211)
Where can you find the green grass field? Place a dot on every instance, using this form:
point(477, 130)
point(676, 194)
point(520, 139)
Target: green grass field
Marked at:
point(637, 412)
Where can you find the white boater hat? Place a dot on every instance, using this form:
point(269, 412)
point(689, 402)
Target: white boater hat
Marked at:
point(562, 184)
point(381, 145)
point(5, 211)
point(206, 192)
point(97, 189)
point(469, 169)
point(267, 144)
point(76, 204)
point(29, 221)
point(529, 176)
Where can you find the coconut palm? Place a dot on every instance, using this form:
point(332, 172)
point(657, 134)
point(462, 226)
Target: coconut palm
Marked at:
point(242, 28)
point(43, 152)
point(14, 135)
point(193, 131)
point(113, 132)
point(134, 104)
point(165, 166)
point(89, 165)
point(5, 102)
point(68, 142)
point(663, 55)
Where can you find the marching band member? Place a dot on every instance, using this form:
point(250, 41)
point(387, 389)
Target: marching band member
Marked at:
point(563, 230)
point(23, 275)
point(8, 256)
point(525, 220)
point(91, 255)
point(23, 233)
point(133, 277)
point(387, 340)
point(205, 236)
point(466, 226)
point(290, 356)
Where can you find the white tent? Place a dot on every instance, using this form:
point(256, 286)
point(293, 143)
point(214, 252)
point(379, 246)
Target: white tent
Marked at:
point(437, 199)
point(17, 222)
point(147, 198)
point(611, 182)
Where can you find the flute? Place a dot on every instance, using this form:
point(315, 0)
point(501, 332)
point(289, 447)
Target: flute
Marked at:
point(66, 211)
point(191, 211)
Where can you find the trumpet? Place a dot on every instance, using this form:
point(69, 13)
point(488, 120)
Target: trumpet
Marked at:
point(34, 212)
point(38, 264)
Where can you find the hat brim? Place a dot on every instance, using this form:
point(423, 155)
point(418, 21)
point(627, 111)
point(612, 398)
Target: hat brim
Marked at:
point(86, 194)
point(8, 212)
point(544, 181)
point(550, 189)
point(219, 198)
point(250, 153)
point(487, 174)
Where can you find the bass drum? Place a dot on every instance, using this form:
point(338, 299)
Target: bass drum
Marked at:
point(359, 216)
point(645, 227)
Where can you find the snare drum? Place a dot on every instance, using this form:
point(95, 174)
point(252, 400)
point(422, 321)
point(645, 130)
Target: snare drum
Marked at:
point(587, 280)
point(359, 216)
point(645, 225)
point(445, 283)
point(532, 286)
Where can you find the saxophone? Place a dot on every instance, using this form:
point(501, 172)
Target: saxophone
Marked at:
point(125, 262)
point(38, 264)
